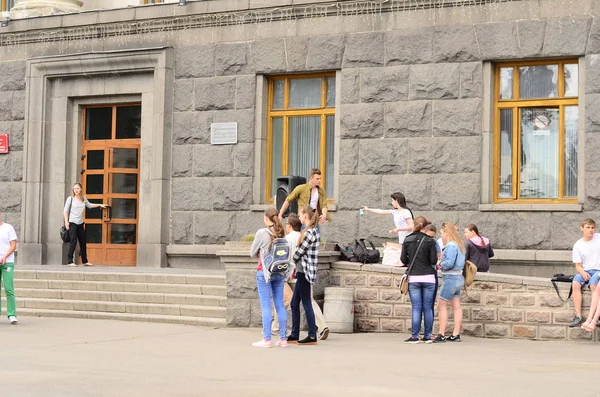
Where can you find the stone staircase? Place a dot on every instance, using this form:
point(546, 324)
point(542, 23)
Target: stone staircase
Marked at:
point(94, 293)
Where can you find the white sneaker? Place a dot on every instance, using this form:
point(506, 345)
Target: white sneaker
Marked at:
point(13, 320)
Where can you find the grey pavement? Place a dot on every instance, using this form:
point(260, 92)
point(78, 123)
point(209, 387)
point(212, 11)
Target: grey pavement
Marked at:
point(71, 357)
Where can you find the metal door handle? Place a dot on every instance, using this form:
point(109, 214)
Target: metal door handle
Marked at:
point(107, 216)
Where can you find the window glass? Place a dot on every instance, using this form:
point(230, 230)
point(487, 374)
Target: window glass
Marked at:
point(304, 144)
point(506, 83)
point(95, 159)
point(506, 153)
point(93, 233)
point(124, 208)
point(125, 158)
point(278, 92)
point(124, 183)
point(129, 122)
point(94, 184)
point(305, 93)
point(98, 123)
point(276, 163)
point(122, 234)
point(571, 79)
point(329, 172)
point(330, 92)
point(571, 130)
point(539, 163)
point(93, 213)
point(538, 81)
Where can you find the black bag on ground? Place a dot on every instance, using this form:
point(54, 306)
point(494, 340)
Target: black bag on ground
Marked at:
point(365, 251)
point(347, 253)
point(562, 278)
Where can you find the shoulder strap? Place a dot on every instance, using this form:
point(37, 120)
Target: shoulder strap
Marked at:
point(70, 205)
point(415, 257)
point(558, 293)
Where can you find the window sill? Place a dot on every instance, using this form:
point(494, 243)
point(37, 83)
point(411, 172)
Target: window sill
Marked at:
point(531, 207)
point(262, 207)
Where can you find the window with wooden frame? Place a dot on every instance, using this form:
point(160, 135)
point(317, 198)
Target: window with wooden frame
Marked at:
point(301, 128)
point(153, 1)
point(536, 132)
point(6, 5)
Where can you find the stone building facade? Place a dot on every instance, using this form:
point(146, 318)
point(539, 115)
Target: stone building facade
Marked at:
point(413, 88)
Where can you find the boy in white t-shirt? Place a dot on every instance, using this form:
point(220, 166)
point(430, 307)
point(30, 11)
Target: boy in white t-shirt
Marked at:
point(8, 245)
point(586, 256)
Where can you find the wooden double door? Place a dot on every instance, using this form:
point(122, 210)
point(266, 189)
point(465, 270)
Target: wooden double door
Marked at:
point(110, 171)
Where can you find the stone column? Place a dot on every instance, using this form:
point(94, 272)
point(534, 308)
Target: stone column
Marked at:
point(36, 8)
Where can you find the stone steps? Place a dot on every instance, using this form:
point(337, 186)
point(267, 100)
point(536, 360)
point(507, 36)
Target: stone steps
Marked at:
point(189, 298)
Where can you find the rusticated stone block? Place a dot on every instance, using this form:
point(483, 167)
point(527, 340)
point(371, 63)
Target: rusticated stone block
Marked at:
point(296, 49)
point(470, 298)
point(550, 301)
point(382, 156)
point(566, 37)
point(391, 295)
point(472, 330)
point(562, 317)
point(360, 309)
point(215, 93)
point(496, 299)
point(366, 294)
point(212, 160)
point(523, 331)
point(592, 123)
point(408, 119)
point(523, 300)
point(195, 61)
point(465, 311)
point(435, 81)
point(538, 317)
point(409, 46)
point(471, 76)
point(539, 287)
point(531, 38)
point(450, 152)
point(362, 120)
point(256, 315)
point(384, 84)
point(350, 85)
point(238, 312)
point(483, 314)
point(190, 128)
point(213, 227)
point(12, 77)
point(245, 95)
point(496, 330)
point(380, 310)
point(388, 325)
point(232, 194)
point(358, 190)
point(183, 91)
point(497, 40)
point(552, 332)
point(447, 197)
point(402, 311)
point(510, 316)
point(188, 194)
point(349, 156)
point(579, 333)
point(363, 50)
point(455, 44)
point(380, 281)
point(484, 286)
point(269, 56)
point(233, 59)
point(181, 227)
point(367, 325)
point(325, 52)
point(243, 159)
point(511, 287)
point(457, 117)
point(335, 280)
point(355, 280)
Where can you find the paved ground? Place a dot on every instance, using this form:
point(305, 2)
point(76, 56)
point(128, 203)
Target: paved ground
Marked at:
point(67, 357)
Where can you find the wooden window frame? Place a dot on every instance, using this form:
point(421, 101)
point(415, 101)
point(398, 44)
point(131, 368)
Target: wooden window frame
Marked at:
point(323, 111)
point(155, 2)
point(516, 105)
point(4, 5)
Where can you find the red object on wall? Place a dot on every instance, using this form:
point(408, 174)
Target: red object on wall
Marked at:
point(3, 143)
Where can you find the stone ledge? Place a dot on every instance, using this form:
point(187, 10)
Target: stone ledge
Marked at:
point(532, 255)
point(193, 250)
point(263, 207)
point(531, 207)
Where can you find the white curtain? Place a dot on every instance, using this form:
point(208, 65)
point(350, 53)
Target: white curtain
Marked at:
point(304, 144)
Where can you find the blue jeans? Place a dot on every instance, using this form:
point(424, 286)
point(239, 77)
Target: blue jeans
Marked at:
point(421, 299)
point(302, 293)
point(273, 288)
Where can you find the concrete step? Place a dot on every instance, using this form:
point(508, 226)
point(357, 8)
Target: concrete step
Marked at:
point(187, 320)
point(94, 275)
point(186, 289)
point(122, 307)
point(132, 297)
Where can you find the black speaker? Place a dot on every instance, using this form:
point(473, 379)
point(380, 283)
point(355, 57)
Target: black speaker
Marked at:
point(285, 185)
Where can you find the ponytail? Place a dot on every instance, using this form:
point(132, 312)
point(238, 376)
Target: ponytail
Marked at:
point(475, 230)
point(277, 229)
point(420, 224)
point(314, 221)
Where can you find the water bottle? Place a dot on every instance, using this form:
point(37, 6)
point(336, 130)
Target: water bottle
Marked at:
point(361, 212)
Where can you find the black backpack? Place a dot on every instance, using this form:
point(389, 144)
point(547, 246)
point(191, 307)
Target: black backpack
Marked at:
point(364, 253)
point(347, 253)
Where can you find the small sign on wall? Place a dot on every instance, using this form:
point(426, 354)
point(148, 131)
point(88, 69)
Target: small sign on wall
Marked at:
point(223, 133)
point(3, 143)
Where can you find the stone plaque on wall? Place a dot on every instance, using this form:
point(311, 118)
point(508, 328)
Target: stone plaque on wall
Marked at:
point(223, 133)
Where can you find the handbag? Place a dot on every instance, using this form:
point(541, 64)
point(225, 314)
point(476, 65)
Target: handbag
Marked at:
point(64, 233)
point(404, 279)
point(562, 278)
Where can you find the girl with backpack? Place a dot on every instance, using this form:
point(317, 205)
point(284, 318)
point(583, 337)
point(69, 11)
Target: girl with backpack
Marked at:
point(420, 255)
point(452, 264)
point(269, 285)
point(403, 217)
point(478, 249)
point(306, 259)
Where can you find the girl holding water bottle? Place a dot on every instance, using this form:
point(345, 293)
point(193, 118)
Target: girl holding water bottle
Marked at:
point(403, 217)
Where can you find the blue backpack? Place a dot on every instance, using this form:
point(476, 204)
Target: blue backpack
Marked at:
point(277, 260)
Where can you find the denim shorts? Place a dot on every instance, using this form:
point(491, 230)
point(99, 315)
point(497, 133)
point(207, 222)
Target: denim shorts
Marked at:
point(451, 286)
point(594, 277)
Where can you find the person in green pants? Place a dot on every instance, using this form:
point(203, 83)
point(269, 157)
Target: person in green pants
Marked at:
point(8, 245)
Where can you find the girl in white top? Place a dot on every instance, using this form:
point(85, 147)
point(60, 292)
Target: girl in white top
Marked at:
point(403, 218)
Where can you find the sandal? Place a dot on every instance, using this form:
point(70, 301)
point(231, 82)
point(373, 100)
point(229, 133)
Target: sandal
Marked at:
point(589, 327)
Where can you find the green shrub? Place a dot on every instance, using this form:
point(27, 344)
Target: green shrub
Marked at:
point(248, 238)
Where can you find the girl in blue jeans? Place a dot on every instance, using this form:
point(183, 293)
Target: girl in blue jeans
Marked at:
point(269, 285)
point(452, 264)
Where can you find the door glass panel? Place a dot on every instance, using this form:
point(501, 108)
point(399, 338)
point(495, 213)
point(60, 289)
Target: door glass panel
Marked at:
point(98, 123)
point(124, 208)
point(278, 87)
point(122, 234)
point(95, 160)
point(571, 158)
point(277, 154)
point(124, 183)
point(94, 213)
point(94, 184)
point(305, 93)
point(93, 233)
point(506, 154)
point(304, 144)
point(125, 158)
point(506, 83)
point(571, 79)
point(539, 153)
point(538, 81)
point(129, 122)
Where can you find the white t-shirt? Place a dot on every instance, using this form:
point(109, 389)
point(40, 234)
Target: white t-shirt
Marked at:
point(314, 198)
point(7, 234)
point(292, 238)
point(440, 243)
point(587, 253)
point(401, 218)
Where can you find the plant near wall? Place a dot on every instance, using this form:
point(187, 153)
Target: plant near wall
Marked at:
point(248, 238)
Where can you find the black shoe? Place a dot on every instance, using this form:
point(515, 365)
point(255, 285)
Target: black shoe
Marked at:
point(454, 338)
point(426, 340)
point(576, 321)
point(324, 334)
point(292, 339)
point(307, 341)
point(412, 340)
point(439, 339)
